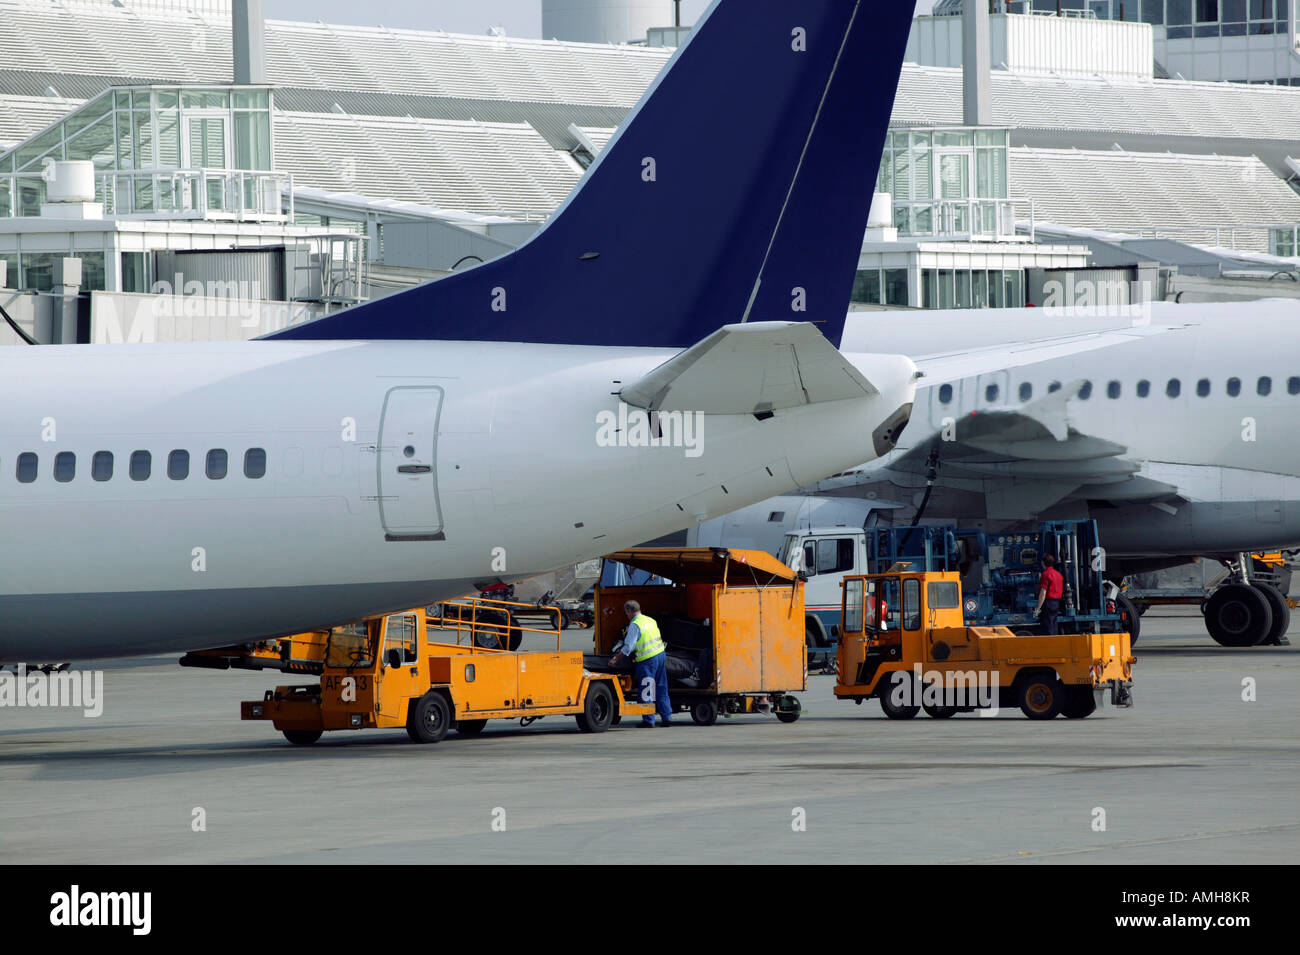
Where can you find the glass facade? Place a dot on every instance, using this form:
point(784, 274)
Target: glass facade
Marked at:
point(1185, 18)
point(159, 150)
point(948, 182)
point(1284, 241)
point(972, 288)
point(880, 287)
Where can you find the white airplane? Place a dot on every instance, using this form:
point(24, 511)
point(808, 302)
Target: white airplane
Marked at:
point(657, 354)
point(1179, 445)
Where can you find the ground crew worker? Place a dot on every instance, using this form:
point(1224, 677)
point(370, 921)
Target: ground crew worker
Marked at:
point(643, 644)
point(1051, 587)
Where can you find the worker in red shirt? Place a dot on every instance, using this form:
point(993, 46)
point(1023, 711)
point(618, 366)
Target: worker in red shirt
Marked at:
point(1051, 587)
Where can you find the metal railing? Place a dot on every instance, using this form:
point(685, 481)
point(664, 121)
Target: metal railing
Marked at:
point(238, 194)
point(494, 625)
point(985, 220)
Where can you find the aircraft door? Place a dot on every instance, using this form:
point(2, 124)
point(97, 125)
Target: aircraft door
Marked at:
point(407, 464)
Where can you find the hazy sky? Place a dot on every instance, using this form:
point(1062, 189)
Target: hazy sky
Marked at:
point(519, 17)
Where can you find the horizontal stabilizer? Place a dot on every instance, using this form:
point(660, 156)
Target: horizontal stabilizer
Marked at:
point(751, 368)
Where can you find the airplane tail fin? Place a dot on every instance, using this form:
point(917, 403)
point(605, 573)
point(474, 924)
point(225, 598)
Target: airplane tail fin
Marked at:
point(737, 190)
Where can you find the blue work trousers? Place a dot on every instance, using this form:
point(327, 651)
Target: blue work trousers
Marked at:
point(652, 686)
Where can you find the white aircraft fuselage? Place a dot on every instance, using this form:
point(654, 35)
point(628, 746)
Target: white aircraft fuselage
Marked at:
point(1224, 433)
point(397, 474)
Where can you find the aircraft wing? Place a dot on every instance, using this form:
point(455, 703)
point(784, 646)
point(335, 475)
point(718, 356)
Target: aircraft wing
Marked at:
point(751, 368)
point(952, 366)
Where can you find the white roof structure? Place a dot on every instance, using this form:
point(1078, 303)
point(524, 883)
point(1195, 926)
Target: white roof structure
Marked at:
point(20, 116)
point(1179, 195)
point(482, 123)
point(494, 168)
point(1168, 109)
point(187, 47)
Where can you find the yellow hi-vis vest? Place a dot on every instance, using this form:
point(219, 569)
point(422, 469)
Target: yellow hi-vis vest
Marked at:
point(649, 643)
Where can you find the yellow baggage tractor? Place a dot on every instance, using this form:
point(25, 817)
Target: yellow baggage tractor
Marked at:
point(903, 641)
point(385, 672)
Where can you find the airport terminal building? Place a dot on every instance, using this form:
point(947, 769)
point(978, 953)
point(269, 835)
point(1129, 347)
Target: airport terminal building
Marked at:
point(173, 146)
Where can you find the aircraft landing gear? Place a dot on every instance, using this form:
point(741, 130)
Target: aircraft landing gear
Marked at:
point(1276, 636)
point(1238, 615)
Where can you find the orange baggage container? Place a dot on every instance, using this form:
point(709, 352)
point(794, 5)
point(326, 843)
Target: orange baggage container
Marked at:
point(738, 613)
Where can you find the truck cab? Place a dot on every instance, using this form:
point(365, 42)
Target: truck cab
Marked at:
point(904, 642)
point(825, 555)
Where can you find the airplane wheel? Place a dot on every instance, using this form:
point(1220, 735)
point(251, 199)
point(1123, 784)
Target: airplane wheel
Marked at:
point(1129, 617)
point(894, 685)
point(1281, 614)
point(428, 718)
point(598, 709)
point(1238, 615)
point(470, 727)
point(1042, 696)
point(302, 737)
point(1080, 702)
point(705, 712)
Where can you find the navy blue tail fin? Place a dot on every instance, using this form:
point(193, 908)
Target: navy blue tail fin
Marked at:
point(737, 190)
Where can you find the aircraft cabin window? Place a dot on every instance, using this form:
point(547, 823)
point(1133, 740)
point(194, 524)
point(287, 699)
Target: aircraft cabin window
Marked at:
point(1293, 386)
point(1026, 391)
point(101, 466)
point(1144, 388)
point(1113, 389)
point(1203, 388)
point(141, 465)
point(65, 466)
point(216, 465)
point(1174, 388)
point(1234, 387)
point(991, 393)
point(1264, 386)
point(1085, 390)
point(27, 467)
point(1054, 386)
point(178, 465)
point(254, 463)
point(945, 394)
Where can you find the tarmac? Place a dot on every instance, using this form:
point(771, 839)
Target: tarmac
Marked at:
point(1191, 774)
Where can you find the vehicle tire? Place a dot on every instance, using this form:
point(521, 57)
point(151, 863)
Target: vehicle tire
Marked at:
point(794, 709)
point(597, 710)
point(496, 622)
point(939, 712)
point(891, 683)
point(565, 621)
point(1041, 695)
point(428, 718)
point(302, 737)
point(1238, 615)
point(1129, 617)
point(514, 636)
point(1281, 614)
point(704, 712)
point(1080, 702)
point(470, 727)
